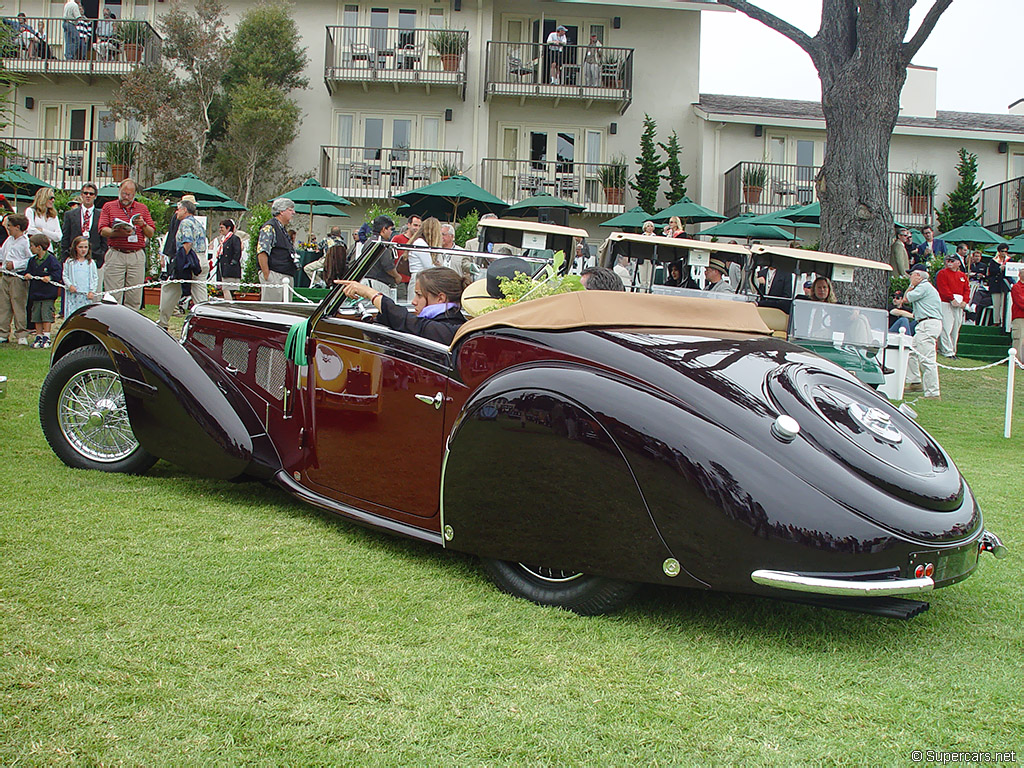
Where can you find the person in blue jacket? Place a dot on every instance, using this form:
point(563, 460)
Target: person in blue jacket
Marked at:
point(42, 293)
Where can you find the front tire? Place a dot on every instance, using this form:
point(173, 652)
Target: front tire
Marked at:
point(577, 592)
point(84, 417)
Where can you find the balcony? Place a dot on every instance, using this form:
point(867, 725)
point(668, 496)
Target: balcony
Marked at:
point(580, 183)
point(396, 56)
point(62, 163)
point(1002, 207)
point(362, 173)
point(523, 70)
point(785, 185)
point(104, 48)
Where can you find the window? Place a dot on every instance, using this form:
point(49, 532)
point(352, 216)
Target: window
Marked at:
point(1017, 169)
point(435, 18)
point(344, 131)
point(406, 25)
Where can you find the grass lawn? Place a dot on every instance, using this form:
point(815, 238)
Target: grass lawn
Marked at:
point(168, 620)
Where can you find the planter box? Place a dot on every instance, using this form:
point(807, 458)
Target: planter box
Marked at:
point(151, 296)
point(752, 195)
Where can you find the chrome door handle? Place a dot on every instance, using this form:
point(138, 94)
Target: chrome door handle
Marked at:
point(436, 400)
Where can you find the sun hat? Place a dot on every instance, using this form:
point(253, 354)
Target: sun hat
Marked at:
point(719, 265)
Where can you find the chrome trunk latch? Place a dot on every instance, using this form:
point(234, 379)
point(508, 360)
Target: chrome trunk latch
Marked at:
point(437, 400)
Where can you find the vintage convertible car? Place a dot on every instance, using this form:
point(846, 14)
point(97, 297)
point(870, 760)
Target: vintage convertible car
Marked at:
point(579, 444)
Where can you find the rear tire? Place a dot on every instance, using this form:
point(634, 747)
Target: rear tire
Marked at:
point(577, 592)
point(84, 417)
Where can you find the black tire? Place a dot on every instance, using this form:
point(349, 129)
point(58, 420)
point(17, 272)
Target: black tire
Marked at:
point(84, 417)
point(577, 592)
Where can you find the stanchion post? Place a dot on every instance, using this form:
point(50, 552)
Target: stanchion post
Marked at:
point(1011, 369)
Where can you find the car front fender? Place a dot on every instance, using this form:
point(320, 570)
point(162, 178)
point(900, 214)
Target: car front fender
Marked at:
point(177, 411)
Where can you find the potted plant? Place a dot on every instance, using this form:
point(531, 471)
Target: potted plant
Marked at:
point(918, 188)
point(613, 178)
point(450, 44)
point(121, 154)
point(754, 179)
point(133, 36)
point(448, 168)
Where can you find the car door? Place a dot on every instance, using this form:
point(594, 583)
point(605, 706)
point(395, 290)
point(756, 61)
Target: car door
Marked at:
point(378, 399)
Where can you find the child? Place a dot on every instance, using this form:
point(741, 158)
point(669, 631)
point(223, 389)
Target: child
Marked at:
point(41, 293)
point(81, 278)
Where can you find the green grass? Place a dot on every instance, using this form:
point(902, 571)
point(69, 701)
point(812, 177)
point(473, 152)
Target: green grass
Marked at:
point(168, 620)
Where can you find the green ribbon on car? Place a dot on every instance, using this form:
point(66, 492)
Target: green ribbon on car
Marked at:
point(295, 343)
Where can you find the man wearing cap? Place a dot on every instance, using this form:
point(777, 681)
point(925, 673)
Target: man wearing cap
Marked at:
point(275, 251)
point(715, 273)
point(927, 306)
point(954, 289)
point(556, 43)
point(997, 286)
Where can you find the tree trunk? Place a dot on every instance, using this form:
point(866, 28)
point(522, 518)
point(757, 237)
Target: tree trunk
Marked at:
point(860, 104)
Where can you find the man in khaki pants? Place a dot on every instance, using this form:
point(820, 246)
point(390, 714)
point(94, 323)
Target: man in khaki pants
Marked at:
point(126, 223)
point(14, 256)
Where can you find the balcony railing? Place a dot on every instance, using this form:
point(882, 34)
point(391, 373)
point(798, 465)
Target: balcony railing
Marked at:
point(395, 55)
point(767, 187)
point(109, 47)
point(373, 173)
point(578, 72)
point(1002, 207)
point(580, 183)
point(63, 163)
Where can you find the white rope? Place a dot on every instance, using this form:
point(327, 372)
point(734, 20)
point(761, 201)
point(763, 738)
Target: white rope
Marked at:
point(157, 283)
point(913, 353)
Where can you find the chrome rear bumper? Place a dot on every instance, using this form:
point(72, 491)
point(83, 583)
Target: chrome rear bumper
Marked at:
point(821, 586)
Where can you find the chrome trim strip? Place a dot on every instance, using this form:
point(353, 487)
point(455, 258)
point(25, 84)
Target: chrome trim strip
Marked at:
point(843, 587)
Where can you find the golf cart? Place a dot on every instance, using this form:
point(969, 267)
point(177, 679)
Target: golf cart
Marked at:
point(851, 337)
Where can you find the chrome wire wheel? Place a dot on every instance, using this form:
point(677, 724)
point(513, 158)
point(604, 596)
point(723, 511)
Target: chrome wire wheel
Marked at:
point(93, 418)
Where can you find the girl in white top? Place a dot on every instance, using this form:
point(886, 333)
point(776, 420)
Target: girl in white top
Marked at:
point(419, 260)
point(43, 218)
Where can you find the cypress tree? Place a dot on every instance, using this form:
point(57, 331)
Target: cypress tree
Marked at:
point(961, 204)
point(649, 167)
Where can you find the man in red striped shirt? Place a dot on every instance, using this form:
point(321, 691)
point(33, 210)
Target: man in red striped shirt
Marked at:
point(126, 223)
point(954, 290)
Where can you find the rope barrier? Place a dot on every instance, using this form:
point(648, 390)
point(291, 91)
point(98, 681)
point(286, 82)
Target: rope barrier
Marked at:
point(156, 283)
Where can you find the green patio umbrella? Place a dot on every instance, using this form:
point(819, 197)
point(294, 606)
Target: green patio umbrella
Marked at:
point(445, 198)
point(16, 180)
point(187, 184)
point(311, 195)
point(213, 204)
point(972, 232)
point(1016, 245)
point(743, 227)
point(108, 191)
point(687, 210)
point(805, 214)
point(780, 219)
point(634, 218)
point(528, 208)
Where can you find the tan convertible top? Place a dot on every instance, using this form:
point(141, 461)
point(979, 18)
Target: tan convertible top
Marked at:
point(612, 309)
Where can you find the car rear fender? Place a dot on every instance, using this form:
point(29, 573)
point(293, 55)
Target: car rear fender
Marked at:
point(532, 475)
point(177, 411)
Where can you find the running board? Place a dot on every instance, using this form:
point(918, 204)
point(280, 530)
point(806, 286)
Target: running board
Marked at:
point(890, 607)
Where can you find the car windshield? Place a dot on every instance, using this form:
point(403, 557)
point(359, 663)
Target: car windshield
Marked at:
point(837, 324)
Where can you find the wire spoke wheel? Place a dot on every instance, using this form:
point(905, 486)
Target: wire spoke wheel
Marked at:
point(93, 418)
point(552, 575)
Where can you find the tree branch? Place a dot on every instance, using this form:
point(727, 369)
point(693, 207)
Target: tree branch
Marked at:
point(772, 21)
point(912, 46)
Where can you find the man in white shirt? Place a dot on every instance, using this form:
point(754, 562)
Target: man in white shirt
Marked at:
point(556, 43)
point(72, 12)
point(14, 255)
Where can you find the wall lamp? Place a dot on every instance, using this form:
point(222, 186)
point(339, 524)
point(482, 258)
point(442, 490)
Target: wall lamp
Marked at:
point(613, 128)
point(759, 130)
point(448, 115)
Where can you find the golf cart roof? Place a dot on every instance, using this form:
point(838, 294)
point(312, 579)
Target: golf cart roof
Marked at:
point(533, 226)
point(666, 249)
point(800, 260)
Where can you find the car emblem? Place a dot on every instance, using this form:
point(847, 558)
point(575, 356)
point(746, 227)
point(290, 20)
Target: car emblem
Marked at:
point(876, 421)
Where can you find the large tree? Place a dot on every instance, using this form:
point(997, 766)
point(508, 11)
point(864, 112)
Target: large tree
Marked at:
point(172, 100)
point(861, 52)
point(268, 46)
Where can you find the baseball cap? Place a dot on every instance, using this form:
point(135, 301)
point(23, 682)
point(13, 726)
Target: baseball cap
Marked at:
point(920, 268)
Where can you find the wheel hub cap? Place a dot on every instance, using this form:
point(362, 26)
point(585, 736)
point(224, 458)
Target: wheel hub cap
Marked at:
point(93, 416)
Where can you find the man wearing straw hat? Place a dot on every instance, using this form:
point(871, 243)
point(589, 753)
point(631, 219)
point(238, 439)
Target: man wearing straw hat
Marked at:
point(715, 273)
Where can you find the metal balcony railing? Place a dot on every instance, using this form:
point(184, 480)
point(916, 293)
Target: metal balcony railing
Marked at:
point(576, 72)
point(92, 47)
point(1002, 207)
point(64, 163)
point(759, 187)
point(373, 173)
point(396, 55)
point(580, 183)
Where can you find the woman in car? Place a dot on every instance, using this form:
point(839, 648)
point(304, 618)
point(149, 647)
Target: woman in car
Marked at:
point(437, 316)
